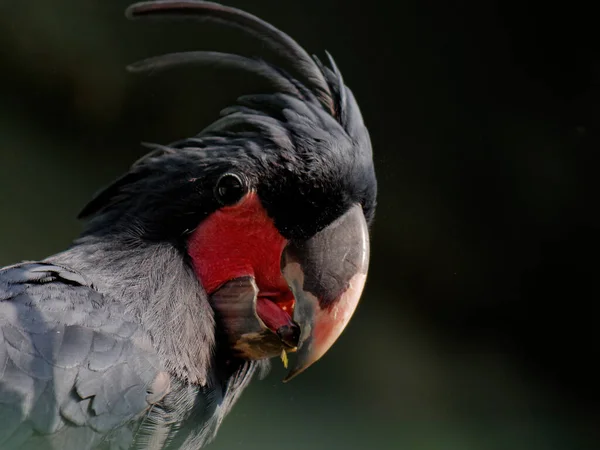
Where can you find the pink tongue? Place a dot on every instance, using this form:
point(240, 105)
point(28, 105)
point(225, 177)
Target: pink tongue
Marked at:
point(272, 315)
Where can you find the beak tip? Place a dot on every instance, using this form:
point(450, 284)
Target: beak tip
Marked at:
point(291, 375)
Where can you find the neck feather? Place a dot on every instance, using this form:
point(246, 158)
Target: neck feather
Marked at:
point(160, 291)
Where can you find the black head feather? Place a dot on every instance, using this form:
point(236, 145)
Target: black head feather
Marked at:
point(274, 38)
point(304, 148)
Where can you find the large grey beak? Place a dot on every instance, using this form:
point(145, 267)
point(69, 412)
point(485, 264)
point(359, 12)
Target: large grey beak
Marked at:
point(326, 274)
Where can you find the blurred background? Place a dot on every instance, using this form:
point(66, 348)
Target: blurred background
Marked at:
point(477, 329)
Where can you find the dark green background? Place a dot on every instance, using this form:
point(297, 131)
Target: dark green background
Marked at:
point(477, 329)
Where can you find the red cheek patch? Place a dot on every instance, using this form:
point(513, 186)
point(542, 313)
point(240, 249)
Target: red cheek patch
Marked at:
point(238, 241)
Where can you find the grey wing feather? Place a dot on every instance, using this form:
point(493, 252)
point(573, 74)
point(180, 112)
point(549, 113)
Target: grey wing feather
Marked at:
point(74, 372)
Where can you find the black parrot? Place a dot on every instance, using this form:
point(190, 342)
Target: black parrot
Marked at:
point(210, 256)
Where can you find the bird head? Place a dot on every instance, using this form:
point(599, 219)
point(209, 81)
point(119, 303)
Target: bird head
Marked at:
point(270, 205)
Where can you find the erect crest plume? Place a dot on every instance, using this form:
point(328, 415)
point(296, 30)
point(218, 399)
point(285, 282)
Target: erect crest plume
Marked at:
point(321, 85)
point(310, 103)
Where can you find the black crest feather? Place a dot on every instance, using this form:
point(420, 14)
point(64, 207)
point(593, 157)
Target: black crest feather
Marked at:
point(312, 105)
point(279, 41)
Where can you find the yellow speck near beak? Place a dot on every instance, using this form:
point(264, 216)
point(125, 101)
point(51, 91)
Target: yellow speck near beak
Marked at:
point(284, 358)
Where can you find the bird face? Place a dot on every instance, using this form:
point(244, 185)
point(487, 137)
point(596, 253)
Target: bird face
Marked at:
point(278, 194)
point(300, 290)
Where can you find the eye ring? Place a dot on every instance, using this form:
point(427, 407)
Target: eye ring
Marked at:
point(230, 188)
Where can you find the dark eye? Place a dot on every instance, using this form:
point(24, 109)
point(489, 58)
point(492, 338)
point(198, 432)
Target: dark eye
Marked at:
point(230, 189)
